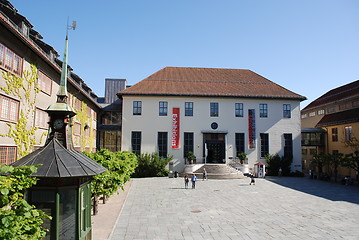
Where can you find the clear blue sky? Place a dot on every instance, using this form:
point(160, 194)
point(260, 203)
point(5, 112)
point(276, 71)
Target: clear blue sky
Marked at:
point(307, 46)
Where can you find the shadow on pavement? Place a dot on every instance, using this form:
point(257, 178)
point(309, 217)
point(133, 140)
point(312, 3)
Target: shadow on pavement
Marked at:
point(329, 190)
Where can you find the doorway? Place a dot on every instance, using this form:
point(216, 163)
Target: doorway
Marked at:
point(215, 151)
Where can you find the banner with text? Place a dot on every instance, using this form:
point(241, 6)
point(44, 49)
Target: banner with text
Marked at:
point(251, 128)
point(175, 128)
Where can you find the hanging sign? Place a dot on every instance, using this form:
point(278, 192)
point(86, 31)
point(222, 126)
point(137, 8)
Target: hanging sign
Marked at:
point(251, 128)
point(175, 128)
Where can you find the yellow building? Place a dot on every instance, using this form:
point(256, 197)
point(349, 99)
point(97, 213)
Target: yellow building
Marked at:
point(330, 125)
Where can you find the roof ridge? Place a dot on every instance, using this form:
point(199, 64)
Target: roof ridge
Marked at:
point(222, 81)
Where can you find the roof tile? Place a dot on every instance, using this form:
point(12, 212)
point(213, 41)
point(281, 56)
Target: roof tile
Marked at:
point(213, 82)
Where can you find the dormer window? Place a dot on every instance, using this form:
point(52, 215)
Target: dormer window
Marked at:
point(25, 29)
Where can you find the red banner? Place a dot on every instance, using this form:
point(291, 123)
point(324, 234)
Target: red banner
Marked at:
point(251, 128)
point(175, 128)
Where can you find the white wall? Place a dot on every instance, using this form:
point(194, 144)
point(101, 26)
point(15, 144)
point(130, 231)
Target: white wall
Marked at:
point(149, 123)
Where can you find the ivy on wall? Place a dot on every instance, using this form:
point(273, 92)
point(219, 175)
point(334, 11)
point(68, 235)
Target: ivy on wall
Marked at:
point(83, 119)
point(24, 88)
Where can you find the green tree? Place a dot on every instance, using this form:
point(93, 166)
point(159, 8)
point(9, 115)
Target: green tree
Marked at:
point(352, 161)
point(273, 164)
point(151, 165)
point(334, 161)
point(18, 219)
point(318, 162)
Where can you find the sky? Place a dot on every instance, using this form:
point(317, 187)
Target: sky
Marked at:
point(306, 46)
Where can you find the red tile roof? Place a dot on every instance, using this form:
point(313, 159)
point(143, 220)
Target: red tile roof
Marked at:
point(209, 82)
point(345, 92)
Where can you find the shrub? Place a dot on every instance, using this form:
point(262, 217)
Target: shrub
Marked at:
point(297, 174)
point(151, 165)
point(120, 166)
point(19, 219)
point(275, 162)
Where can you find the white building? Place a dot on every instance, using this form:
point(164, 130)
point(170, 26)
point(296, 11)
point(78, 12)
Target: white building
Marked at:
point(214, 113)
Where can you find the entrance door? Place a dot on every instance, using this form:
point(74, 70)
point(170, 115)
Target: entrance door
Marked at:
point(215, 147)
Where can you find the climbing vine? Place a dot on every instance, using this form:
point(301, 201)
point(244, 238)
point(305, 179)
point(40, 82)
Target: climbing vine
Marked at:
point(24, 88)
point(81, 116)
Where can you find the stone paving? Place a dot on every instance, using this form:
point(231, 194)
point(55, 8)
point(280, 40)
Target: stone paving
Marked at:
point(274, 208)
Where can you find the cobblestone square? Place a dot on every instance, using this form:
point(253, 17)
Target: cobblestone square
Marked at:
point(274, 208)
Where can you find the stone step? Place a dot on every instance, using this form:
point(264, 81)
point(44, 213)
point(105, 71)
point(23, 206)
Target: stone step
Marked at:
point(217, 171)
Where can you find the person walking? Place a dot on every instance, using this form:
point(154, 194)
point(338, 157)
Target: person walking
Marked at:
point(193, 180)
point(252, 180)
point(204, 174)
point(186, 181)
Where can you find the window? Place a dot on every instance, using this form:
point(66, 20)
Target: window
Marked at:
point(304, 115)
point(239, 143)
point(44, 83)
point(188, 143)
point(163, 109)
point(7, 155)
point(287, 111)
point(78, 104)
point(304, 151)
point(111, 118)
point(264, 144)
point(288, 145)
point(330, 109)
point(41, 119)
point(348, 133)
point(214, 109)
point(334, 134)
point(239, 109)
point(87, 131)
point(137, 107)
point(88, 112)
point(162, 144)
point(311, 114)
point(321, 112)
point(9, 109)
point(10, 60)
point(263, 110)
point(77, 129)
point(2, 54)
point(136, 142)
point(345, 106)
point(188, 108)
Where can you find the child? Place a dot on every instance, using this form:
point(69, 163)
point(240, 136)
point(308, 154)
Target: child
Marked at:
point(186, 181)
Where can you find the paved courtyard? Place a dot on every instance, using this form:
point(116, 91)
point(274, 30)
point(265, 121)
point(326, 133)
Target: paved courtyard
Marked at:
point(275, 208)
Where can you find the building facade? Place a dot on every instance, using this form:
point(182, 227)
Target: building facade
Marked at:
point(109, 127)
point(334, 117)
point(214, 113)
point(30, 73)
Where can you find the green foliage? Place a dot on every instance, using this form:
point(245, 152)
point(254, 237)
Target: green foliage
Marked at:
point(351, 161)
point(275, 162)
point(24, 88)
point(242, 156)
point(18, 219)
point(190, 156)
point(318, 162)
point(120, 166)
point(151, 165)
